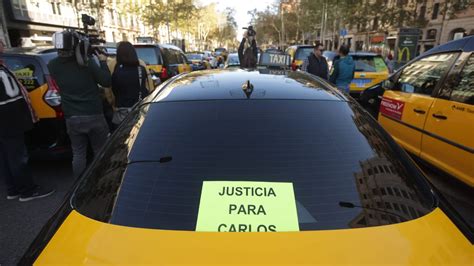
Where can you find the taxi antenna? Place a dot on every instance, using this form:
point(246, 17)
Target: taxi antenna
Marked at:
point(247, 87)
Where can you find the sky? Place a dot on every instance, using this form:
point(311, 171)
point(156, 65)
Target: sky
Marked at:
point(241, 7)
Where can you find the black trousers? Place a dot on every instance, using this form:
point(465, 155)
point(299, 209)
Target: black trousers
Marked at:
point(14, 166)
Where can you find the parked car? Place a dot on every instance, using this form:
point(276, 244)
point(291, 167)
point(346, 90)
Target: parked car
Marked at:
point(370, 69)
point(210, 58)
point(163, 59)
point(235, 167)
point(298, 54)
point(232, 61)
point(428, 107)
point(198, 61)
point(221, 54)
point(48, 139)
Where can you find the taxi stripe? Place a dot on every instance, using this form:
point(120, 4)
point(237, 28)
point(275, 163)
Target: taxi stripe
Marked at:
point(450, 142)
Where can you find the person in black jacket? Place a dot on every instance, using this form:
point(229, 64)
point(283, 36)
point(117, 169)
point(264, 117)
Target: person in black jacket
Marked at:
point(129, 81)
point(17, 117)
point(248, 51)
point(316, 63)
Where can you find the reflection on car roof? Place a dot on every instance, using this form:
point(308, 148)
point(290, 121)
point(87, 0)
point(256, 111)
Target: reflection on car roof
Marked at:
point(227, 85)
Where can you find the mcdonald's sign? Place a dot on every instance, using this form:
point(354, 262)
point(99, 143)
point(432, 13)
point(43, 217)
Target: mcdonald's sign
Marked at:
point(401, 52)
point(407, 45)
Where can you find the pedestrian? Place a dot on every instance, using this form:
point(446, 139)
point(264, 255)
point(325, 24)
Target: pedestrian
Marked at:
point(344, 68)
point(109, 95)
point(390, 63)
point(17, 117)
point(316, 63)
point(248, 51)
point(81, 100)
point(129, 81)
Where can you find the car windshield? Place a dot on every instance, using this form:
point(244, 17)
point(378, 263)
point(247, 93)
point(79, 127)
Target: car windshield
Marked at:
point(303, 52)
point(345, 172)
point(149, 55)
point(233, 60)
point(194, 56)
point(369, 63)
point(329, 55)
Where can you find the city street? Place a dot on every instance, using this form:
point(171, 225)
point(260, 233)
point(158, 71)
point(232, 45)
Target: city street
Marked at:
point(206, 116)
point(22, 221)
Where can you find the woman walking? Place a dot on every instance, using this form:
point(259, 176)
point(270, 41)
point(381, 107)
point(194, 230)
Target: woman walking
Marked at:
point(129, 81)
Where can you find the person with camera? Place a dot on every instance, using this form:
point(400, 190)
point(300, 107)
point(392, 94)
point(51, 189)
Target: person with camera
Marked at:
point(17, 117)
point(248, 51)
point(129, 81)
point(78, 75)
point(316, 63)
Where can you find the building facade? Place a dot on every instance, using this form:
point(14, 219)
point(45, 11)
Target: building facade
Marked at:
point(32, 22)
point(439, 22)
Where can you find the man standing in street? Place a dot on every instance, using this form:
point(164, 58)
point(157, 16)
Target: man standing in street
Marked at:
point(17, 117)
point(81, 101)
point(316, 63)
point(248, 51)
point(344, 68)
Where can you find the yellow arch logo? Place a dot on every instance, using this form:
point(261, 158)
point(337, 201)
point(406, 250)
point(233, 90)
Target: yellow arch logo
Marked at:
point(402, 52)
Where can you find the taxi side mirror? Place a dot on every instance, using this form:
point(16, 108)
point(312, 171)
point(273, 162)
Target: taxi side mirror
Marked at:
point(388, 84)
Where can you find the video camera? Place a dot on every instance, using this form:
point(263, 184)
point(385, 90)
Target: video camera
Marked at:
point(82, 44)
point(250, 31)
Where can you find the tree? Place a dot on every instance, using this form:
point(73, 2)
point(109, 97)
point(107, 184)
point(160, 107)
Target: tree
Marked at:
point(226, 31)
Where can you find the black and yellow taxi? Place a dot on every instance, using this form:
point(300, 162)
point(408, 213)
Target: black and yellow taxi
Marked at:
point(48, 139)
point(298, 53)
point(237, 167)
point(163, 59)
point(428, 107)
point(370, 69)
point(198, 60)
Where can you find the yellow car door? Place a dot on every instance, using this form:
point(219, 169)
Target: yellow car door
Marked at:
point(184, 66)
point(404, 109)
point(448, 139)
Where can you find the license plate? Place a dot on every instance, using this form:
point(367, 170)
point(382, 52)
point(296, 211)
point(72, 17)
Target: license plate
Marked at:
point(361, 83)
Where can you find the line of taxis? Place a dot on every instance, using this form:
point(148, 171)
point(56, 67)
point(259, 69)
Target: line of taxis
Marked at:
point(48, 139)
point(274, 164)
point(427, 105)
point(171, 178)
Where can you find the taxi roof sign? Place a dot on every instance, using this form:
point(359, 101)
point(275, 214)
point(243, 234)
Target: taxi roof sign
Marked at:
point(275, 60)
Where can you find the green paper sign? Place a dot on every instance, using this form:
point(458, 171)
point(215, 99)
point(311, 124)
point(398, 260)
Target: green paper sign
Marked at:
point(245, 206)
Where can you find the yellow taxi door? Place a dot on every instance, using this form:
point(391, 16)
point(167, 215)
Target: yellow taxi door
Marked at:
point(404, 109)
point(403, 115)
point(448, 139)
point(184, 66)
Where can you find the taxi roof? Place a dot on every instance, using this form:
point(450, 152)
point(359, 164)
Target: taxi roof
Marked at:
point(465, 44)
point(169, 46)
point(228, 85)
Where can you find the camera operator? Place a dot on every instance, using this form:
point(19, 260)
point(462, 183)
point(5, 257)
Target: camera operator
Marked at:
point(77, 75)
point(248, 51)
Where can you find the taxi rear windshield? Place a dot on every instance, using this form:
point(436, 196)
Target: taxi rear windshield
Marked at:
point(369, 63)
point(28, 71)
point(150, 55)
point(344, 172)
